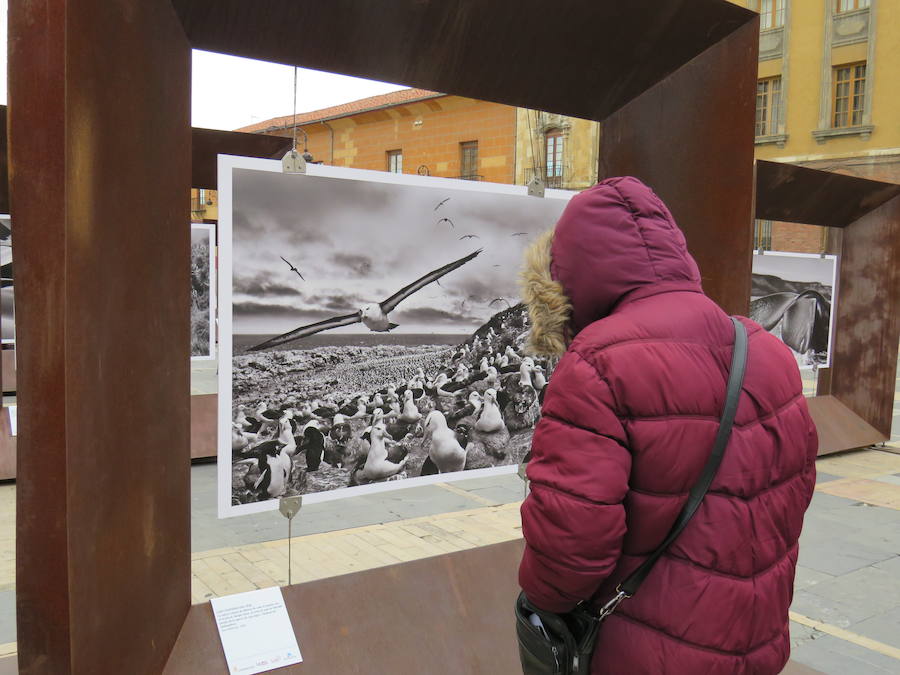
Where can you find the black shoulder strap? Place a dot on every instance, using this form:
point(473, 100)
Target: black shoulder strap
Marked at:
point(735, 381)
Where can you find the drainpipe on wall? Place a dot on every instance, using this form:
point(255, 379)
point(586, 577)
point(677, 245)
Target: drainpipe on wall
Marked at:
point(328, 126)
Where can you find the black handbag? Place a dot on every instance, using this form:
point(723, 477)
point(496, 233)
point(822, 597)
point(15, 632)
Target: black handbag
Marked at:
point(563, 644)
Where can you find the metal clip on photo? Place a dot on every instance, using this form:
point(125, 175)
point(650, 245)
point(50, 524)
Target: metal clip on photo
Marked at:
point(293, 162)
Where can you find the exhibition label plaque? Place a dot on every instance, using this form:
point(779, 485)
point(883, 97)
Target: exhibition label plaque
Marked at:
point(256, 631)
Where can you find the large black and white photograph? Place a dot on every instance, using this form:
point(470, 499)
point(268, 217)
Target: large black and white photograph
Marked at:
point(792, 297)
point(376, 332)
point(7, 298)
point(203, 291)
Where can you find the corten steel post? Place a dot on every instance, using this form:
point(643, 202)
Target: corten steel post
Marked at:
point(100, 177)
point(867, 325)
point(854, 404)
point(690, 138)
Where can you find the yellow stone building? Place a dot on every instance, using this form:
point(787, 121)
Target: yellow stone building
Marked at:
point(828, 94)
point(563, 151)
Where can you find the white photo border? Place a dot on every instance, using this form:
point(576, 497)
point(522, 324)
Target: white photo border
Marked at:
point(211, 229)
point(226, 166)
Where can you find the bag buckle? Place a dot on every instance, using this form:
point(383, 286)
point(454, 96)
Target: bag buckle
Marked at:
point(612, 604)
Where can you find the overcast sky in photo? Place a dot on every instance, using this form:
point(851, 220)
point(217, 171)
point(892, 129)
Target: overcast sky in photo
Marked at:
point(229, 92)
point(359, 242)
point(796, 267)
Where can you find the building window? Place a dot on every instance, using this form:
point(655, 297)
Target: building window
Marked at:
point(554, 147)
point(395, 161)
point(849, 95)
point(768, 106)
point(762, 235)
point(851, 5)
point(468, 160)
point(771, 13)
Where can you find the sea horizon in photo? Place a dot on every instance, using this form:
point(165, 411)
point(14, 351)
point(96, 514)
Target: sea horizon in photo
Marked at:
point(241, 342)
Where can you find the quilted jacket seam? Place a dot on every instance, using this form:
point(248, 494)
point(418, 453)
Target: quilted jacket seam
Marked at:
point(710, 418)
point(556, 418)
point(578, 570)
point(774, 486)
point(741, 577)
point(635, 214)
point(547, 486)
point(721, 493)
point(604, 380)
point(694, 645)
point(752, 332)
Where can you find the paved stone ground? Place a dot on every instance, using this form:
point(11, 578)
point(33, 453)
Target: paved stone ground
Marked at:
point(845, 618)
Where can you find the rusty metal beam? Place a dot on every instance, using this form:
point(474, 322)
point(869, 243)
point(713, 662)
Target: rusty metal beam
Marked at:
point(585, 59)
point(867, 325)
point(100, 158)
point(206, 144)
point(797, 194)
point(459, 605)
point(699, 158)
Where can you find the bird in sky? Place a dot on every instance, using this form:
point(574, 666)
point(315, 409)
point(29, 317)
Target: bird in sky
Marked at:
point(446, 220)
point(374, 316)
point(469, 236)
point(520, 234)
point(441, 203)
point(293, 269)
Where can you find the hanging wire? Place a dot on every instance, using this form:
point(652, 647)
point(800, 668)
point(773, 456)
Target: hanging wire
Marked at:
point(294, 146)
point(532, 139)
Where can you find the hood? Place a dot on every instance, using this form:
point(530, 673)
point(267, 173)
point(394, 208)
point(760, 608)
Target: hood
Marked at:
point(614, 240)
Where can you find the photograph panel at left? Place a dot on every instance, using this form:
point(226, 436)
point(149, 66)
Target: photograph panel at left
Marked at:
point(7, 298)
point(203, 291)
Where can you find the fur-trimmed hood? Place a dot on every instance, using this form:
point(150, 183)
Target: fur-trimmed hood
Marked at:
point(614, 241)
point(548, 307)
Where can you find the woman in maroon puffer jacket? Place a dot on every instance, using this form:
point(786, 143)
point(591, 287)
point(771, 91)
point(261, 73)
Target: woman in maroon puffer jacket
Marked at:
point(628, 424)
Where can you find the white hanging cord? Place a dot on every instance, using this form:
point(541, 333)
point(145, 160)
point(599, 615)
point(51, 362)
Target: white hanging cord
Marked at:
point(532, 139)
point(294, 145)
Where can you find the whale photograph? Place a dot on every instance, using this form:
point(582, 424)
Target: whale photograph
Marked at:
point(792, 295)
point(377, 335)
point(203, 319)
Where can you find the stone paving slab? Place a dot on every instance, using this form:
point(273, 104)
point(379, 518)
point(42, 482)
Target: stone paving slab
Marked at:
point(838, 657)
point(870, 491)
point(846, 580)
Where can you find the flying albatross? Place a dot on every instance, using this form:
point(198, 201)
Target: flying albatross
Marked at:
point(374, 316)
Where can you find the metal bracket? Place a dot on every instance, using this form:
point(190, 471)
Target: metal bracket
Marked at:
point(524, 476)
point(290, 506)
point(535, 187)
point(293, 162)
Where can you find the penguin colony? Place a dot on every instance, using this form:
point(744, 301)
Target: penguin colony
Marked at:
point(476, 410)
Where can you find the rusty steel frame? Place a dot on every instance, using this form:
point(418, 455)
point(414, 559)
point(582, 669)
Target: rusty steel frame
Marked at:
point(99, 129)
point(854, 405)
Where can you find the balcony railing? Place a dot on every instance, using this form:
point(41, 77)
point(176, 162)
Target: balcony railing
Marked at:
point(554, 181)
point(470, 176)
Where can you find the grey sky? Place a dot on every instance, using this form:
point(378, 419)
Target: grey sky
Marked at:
point(199, 235)
point(230, 92)
point(358, 242)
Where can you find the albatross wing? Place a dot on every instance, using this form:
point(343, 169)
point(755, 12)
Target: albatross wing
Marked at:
point(401, 295)
point(306, 331)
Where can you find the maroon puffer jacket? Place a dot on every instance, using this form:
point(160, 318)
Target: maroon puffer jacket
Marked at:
point(628, 424)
